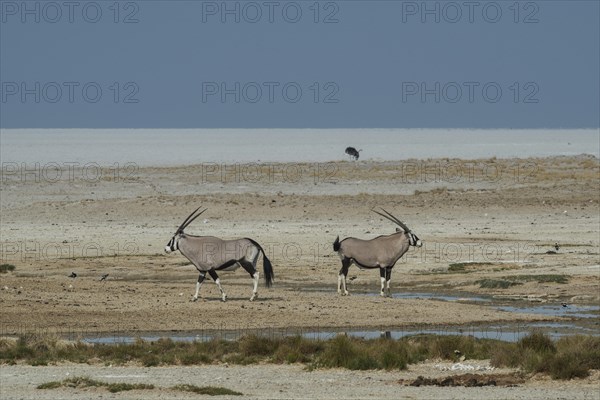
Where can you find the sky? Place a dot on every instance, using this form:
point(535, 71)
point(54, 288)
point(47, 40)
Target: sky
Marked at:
point(299, 64)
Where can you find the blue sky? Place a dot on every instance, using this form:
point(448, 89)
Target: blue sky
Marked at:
point(300, 64)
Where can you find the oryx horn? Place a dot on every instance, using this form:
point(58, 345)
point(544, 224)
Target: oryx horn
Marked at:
point(395, 220)
point(188, 220)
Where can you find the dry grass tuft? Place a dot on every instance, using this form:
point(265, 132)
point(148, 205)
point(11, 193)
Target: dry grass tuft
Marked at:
point(566, 358)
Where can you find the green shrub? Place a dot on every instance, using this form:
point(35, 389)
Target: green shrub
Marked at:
point(538, 342)
point(83, 382)
point(50, 385)
point(207, 390)
point(457, 267)
point(462, 266)
point(567, 358)
point(496, 283)
point(360, 354)
point(296, 349)
point(4, 268)
point(565, 366)
point(551, 278)
point(339, 352)
point(509, 281)
point(252, 345)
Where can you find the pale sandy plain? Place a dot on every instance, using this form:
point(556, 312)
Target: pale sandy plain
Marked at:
point(506, 213)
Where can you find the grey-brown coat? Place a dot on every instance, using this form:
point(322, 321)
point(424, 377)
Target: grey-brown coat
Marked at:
point(381, 252)
point(210, 254)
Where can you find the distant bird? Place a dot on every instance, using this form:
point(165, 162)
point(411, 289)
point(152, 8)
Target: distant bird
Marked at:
point(564, 304)
point(556, 248)
point(459, 355)
point(73, 275)
point(103, 277)
point(353, 153)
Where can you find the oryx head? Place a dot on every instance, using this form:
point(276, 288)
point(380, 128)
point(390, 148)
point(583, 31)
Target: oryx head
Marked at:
point(413, 239)
point(174, 242)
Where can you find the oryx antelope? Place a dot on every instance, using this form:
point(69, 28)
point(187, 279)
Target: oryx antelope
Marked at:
point(210, 254)
point(381, 252)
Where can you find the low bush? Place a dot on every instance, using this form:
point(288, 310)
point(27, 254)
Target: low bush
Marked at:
point(565, 358)
point(5, 268)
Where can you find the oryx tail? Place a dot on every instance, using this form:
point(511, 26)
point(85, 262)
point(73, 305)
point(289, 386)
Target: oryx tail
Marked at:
point(267, 267)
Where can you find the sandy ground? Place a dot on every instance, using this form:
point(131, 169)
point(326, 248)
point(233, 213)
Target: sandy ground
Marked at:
point(282, 382)
point(504, 214)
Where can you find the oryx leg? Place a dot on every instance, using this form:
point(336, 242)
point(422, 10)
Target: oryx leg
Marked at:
point(342, 277)
point(388, 278)
point(198, 284)
point(382, 272)
point(215, 278)
point(251, 269)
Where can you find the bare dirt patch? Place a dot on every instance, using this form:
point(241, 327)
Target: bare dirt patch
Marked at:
point(494, 228)
point(120, 227)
